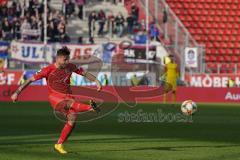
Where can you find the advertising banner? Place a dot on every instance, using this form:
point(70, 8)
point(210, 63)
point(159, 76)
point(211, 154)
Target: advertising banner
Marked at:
point(118, 79)
point(129, 94)
point(37, 53)
point(211, 80)
point(31, 52)
point(9, 77)
point(137, 54)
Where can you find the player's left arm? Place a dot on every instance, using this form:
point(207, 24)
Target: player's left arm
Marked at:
point(88, 75)
point(92, 78)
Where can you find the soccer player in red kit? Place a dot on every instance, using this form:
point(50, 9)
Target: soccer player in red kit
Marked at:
point(58, 81)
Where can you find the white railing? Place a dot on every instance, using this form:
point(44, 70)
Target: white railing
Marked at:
point(175, 33)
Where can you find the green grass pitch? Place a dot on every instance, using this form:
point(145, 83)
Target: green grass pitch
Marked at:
point(28, 131)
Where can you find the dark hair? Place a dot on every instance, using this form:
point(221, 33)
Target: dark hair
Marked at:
point(64, 51)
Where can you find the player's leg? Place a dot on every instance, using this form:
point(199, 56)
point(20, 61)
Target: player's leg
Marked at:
point(66, 131)
point(81, 107)
point(73, 109)
point(165, 92)
point(167, 88)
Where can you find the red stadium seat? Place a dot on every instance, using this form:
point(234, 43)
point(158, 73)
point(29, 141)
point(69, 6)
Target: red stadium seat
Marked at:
point(236, 51)
point(227, 58)
point(220, 58)
point(238, 66)
point(229, 51)
point(224, 68)
point(234, 58)
point(233, 66)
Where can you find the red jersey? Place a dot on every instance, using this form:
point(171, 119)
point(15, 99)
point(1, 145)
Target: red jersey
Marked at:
point(58, 79)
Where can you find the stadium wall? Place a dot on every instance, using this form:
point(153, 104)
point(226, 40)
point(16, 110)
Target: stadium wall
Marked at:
point(130, 94)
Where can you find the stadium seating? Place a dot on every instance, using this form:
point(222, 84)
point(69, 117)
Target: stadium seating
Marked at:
point(214, 23)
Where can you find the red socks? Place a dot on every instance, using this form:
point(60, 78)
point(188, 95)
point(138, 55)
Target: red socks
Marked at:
point(65, 133)
point(80, 107)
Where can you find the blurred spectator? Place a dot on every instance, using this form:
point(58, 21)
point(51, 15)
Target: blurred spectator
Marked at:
point(130, 24)
point(154, 32)
point(51, 32)
point(80, 4)
point(140, 38)
point(62, 33)
point(110, 23)
point(33, 8)
point(80, 40)
point(119, 21)
point(231, 83)
point(134, 80)
point(69, 8)
point(18, 8)
point(16, 24)
point(34, 23)
point(101, 21)
point(64, 7)
point(142, 25)
point(7, 31)
point(135, 12)
point(23, 79)
point(25, 27)
point(165, 15)
point(105, 80)
point(91, 25)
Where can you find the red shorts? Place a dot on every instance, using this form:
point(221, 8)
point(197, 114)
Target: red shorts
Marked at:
point(59, 101)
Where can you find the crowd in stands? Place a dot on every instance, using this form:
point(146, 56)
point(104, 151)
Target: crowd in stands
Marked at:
point(69, 7)
point(119, 25)
point(23, 20)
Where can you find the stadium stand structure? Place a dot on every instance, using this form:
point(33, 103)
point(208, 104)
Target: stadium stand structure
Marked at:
point(213, 23)
point(216, 24)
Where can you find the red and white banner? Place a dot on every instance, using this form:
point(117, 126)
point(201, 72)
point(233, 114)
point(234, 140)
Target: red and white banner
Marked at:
point(84, 51)
point(130, 94)
point(211, 80)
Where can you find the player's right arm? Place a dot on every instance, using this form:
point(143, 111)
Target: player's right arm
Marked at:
point(21, 88)
point(39, 75)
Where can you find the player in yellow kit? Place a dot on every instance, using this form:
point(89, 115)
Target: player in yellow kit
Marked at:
point(172, 74)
